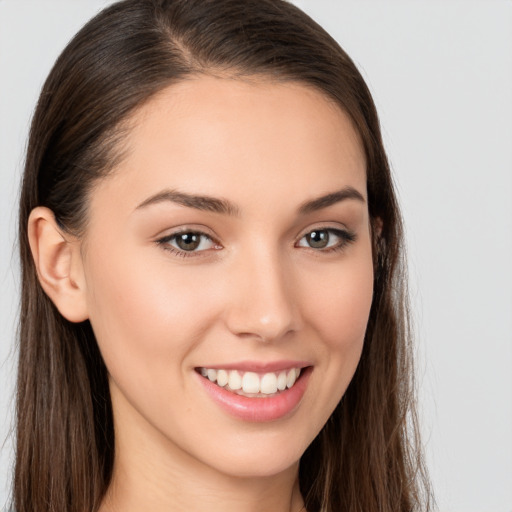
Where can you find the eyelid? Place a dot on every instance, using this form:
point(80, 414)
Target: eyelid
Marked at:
point(186, 228)
point(325, 226)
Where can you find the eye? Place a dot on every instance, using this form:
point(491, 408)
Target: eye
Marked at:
point(187, 242)
point(326, 239)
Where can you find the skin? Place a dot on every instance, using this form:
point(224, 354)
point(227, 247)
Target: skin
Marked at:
point(254, 291)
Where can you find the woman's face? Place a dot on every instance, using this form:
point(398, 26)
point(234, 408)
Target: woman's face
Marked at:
point(231, 248)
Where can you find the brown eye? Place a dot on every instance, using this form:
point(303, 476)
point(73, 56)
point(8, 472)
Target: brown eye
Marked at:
point(327, 239)
point(318, 239)
point(188, 241)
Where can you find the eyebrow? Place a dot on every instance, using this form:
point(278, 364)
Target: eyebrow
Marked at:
point(225, 207)
point(330, 199)
point(204, 203)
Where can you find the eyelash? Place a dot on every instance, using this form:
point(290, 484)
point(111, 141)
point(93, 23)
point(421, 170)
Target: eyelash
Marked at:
point(346, 238)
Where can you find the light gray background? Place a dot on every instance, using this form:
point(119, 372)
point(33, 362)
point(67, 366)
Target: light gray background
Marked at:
point(441, 74)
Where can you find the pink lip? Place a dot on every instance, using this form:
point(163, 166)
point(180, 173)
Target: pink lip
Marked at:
point(260, 367)
point(258, 409)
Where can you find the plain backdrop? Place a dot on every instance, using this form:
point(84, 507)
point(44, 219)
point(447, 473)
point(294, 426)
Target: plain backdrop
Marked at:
point(441, 75)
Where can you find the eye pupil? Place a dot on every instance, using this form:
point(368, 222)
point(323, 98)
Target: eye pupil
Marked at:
point(188, 241)
point(318, 239)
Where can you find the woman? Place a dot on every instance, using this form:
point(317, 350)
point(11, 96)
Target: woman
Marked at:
point(214, 309)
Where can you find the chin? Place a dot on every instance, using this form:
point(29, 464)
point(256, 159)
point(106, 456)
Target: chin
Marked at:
point(260, 465)
point(260, 455)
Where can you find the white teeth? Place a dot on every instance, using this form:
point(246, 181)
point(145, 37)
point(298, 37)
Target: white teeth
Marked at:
point(281, 381)
point(268, 384)
point(252, 383)
point(222, 378)
point(235, 380)
point(291, 378)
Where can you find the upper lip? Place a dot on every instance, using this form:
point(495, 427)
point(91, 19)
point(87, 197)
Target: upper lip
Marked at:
point(259, 366)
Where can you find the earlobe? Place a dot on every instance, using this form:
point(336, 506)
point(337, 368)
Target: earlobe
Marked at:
point(59, 264)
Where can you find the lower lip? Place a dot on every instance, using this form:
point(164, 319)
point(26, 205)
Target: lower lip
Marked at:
point(259, 409)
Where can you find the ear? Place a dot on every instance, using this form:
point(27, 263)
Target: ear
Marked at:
point(59, 264)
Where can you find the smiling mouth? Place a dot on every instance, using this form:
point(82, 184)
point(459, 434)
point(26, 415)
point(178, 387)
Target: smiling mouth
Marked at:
point(252, 384)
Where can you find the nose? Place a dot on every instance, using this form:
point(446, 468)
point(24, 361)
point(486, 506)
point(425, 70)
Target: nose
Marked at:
point(263, 304)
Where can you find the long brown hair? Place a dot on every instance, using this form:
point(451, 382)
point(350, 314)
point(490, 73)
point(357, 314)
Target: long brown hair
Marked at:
point(367, 457)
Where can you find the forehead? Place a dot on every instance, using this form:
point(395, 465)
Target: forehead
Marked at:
point(220, 136)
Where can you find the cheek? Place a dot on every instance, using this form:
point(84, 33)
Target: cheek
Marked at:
point(341, 307)
point(338, 312)
point(336, 304)
point(145, 317)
